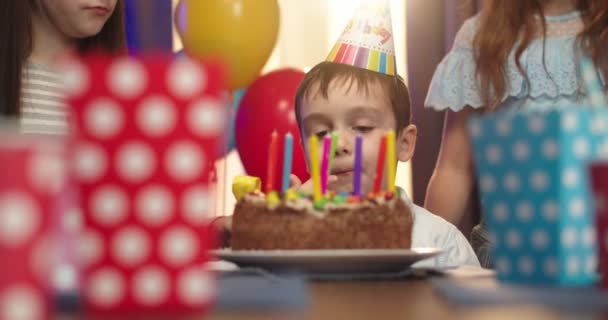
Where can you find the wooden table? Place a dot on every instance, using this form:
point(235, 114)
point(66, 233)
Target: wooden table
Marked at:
point(412, 299)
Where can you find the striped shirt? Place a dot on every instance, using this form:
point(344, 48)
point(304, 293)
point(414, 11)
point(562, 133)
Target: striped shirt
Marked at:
point(43, 109)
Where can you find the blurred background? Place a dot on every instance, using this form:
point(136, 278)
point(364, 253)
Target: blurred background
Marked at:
point(423, 31)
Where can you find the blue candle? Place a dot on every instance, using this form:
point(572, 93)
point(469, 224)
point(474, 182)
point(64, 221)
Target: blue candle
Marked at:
point(287, 159)
point(358, 165)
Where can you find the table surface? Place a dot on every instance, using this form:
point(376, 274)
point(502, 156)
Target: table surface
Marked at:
point(411, 299)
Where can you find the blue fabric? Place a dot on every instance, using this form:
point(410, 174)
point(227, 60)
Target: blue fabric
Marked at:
point(555, 81)
point(566, 299)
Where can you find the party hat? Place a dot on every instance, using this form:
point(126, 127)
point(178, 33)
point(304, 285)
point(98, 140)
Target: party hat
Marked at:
point(367, 41)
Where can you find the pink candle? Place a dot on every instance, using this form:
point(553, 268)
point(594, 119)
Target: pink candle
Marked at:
point(325, 163)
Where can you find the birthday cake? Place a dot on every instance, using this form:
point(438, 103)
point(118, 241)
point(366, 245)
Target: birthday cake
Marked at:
point(378, 221)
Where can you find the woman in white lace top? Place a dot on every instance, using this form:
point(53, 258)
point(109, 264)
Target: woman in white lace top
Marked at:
point(34, 34)
point(517, 54)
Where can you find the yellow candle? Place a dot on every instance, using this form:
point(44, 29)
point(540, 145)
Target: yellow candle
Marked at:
point(391, 160)
point(313, 144)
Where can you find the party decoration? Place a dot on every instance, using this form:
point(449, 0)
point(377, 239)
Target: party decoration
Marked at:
point(268, 105)
point(148, 132)
point(367, 40)
point(242, 185)
point(531, 170)
point(240, 32)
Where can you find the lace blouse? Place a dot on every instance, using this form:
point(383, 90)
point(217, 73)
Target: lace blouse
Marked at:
point(554, 82)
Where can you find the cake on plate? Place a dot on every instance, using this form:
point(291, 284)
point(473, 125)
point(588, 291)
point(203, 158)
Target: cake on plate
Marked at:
point(378, 221)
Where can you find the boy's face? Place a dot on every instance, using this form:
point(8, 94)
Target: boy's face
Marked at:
point(350, 112)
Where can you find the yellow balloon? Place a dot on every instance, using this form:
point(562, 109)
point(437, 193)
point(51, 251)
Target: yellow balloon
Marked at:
point(241, 32)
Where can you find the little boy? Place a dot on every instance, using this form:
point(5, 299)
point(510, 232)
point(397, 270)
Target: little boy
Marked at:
point(357, 92)
point(335, 97)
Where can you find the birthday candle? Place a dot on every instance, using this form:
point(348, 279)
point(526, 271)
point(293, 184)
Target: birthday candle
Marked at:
point(287, 158)
point(391, 160)
point(325, 163)
point(334, 143)
point(358, 165)
point(273, 151)
point(313, 145)
point(380, 165)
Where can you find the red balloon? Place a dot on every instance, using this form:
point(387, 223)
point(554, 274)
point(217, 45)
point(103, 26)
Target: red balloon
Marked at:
point(268, 105)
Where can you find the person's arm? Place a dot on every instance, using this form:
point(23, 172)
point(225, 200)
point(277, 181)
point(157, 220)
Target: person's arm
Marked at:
point(451, 184)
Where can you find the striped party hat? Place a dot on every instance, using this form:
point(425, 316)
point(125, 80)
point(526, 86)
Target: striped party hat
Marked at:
point(367, 41)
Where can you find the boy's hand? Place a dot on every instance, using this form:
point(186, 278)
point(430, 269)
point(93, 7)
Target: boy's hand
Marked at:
point(296, 183)
point(223, 225)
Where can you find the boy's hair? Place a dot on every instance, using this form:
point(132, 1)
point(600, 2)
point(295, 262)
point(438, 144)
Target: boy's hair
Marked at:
point(323, 74)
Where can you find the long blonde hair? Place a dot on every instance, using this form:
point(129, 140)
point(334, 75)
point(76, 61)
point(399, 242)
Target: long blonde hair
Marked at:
point(508, 24)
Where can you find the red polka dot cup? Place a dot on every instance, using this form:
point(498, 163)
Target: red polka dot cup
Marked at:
point(31, 178)
point(147, 134)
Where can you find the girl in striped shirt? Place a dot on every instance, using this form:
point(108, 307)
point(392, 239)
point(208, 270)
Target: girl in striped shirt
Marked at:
point(34, 34)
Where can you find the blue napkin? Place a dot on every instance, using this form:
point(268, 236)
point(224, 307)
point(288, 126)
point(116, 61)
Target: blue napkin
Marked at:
point(567, 299)
point(255, 289)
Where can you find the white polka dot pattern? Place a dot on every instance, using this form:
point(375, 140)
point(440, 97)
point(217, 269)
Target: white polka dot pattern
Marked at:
point(127, 78)
point(106, 287)
point(196, 205)
point(185, 80)
point(184, 161)
point(105, 118)
point(151, 286)
point(90, 162)
point(109, 205)
point(75, 78)
point(521, 151)
point(130, 246)
point(21, 302)
point(154, 205)
point(46, 172)
point(203, 117)
point(178, 246)
point(156, 116)
point(535, 192)
point(195, 286)
point(526, 265)
point(550, 266)
point(19, 218)
point(135, 162)
point(147, 134)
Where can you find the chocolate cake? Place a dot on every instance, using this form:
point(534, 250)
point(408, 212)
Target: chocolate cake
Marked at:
point(382, 221)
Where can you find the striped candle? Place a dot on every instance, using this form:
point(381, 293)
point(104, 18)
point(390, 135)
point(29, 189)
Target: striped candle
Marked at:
point(358, 165)
point(287, 159)
point(391, 161)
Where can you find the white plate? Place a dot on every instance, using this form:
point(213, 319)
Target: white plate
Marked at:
point(328, 261)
